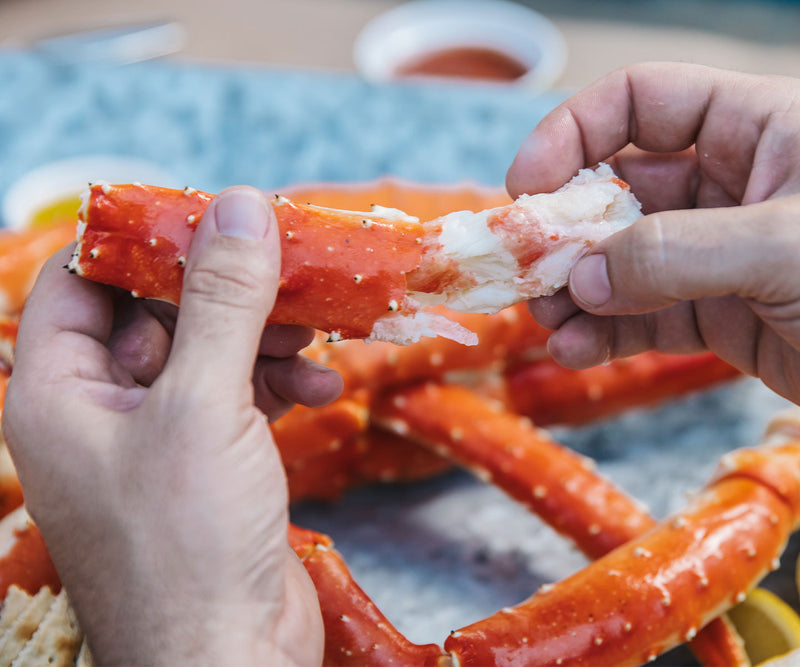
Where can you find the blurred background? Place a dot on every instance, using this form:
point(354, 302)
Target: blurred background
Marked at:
point(275, 92)
point(755, 36)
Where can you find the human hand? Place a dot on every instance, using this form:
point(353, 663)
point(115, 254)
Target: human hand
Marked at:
point(147, 464)
point(714, 157)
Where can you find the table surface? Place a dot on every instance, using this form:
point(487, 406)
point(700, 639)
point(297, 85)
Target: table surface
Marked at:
point(465, 550)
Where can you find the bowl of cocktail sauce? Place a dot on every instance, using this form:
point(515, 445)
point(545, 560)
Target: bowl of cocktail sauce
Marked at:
point(467, 41)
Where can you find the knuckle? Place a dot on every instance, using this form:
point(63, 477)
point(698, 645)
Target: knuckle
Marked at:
point(229, 283)
point(648, 251)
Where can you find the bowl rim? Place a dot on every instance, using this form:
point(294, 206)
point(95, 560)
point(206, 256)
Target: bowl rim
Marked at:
point(56, 180)
point(422, 26)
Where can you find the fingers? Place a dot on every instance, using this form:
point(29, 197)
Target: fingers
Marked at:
point(139, 341)
point(61, 301)
point(585, 340)
point(284, 340)
point(282, 377)
point(663, 108)
point(683, 281)
point(62, 343)
point(64, 378)
point(661, 181)
point(659, 107)
point(280, 383)
point(684, 255)
point(552, 311)
point(229, 289)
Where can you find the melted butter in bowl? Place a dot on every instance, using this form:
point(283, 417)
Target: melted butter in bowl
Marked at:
point(61, 210)
point(51, 192)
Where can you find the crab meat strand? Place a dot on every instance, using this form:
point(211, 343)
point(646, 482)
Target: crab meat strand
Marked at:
point(485, 261)
point(509, 337)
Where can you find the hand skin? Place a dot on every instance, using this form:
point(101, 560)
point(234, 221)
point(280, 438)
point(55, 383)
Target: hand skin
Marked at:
point(714, 157)
point(148, 465)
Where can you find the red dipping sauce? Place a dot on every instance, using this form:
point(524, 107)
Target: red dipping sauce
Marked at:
point(468, 62)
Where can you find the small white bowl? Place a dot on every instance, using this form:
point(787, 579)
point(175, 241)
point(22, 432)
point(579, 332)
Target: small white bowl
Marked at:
point(59, 180)
point(411, 30)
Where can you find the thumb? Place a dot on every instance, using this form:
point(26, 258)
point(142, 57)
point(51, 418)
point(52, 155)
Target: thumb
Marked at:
point(229, 289)
point(749, 251)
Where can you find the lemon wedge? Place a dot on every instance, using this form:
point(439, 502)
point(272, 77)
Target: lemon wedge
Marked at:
point(791, 659)
point(768, 626)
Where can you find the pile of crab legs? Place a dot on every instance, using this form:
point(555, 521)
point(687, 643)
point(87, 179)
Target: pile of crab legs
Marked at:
point(652, 585)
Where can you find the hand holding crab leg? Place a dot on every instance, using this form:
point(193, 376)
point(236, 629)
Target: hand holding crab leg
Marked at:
point(714, 158)
point(207, 525)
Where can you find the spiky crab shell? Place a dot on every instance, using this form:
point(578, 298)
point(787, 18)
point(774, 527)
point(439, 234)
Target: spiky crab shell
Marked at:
point(341, 270)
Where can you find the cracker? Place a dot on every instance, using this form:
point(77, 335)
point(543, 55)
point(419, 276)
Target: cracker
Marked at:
point(21, 627)
point(57, 640)
point(38, 630)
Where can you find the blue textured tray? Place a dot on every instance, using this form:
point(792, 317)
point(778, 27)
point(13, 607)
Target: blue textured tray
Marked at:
point(215, 127)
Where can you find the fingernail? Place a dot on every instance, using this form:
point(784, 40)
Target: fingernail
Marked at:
point(243, 214)
point(589, 282)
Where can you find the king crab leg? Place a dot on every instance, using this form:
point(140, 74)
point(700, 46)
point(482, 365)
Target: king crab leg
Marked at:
point(550, 395)
point(503, 448)
point(578, 397)
point(365, 275)
point(646, 596)
point(557, 484)
point(24, 560)
point(661, 588)
point(138, 237)
point(310, 432)
point(356, 631)
point(22, 255)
